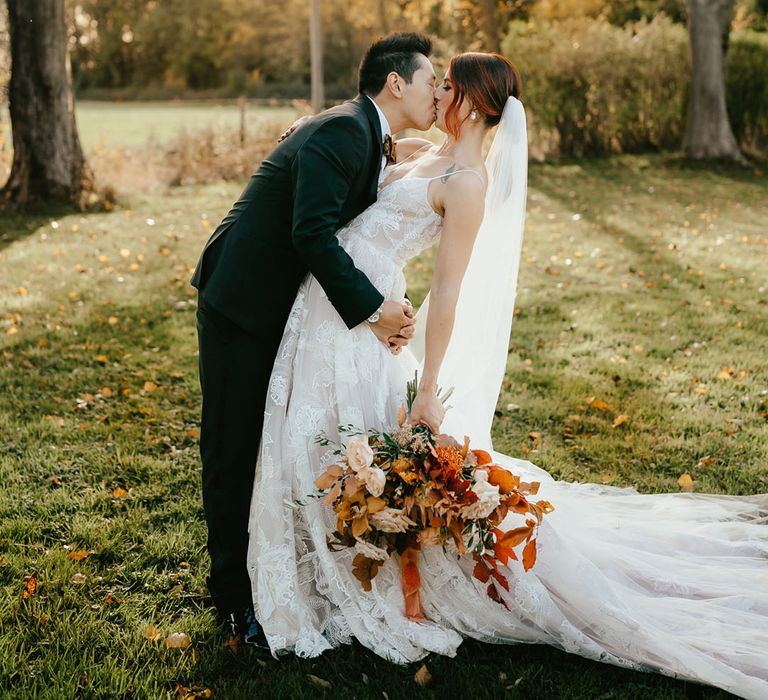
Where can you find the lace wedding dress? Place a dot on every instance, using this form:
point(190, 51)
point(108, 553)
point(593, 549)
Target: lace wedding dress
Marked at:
point(675, 583)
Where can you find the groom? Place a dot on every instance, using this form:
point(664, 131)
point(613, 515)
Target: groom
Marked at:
point(283, 227)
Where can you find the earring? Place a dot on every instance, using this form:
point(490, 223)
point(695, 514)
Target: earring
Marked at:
point(473, 115)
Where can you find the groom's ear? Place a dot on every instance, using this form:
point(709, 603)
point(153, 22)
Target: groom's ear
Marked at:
point(394, 84)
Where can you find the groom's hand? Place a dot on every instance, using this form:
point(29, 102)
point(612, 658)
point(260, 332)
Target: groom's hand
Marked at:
point(396, 325)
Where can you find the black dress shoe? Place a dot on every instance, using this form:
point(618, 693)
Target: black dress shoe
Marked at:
point(243, 624)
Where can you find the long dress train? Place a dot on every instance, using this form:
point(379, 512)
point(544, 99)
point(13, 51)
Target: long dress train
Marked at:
point(674, 583)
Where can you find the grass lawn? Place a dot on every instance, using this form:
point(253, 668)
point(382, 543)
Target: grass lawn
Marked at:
point(643, 303)
point(133, 124)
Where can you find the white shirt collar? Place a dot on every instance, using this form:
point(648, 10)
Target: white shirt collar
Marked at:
point(384, 123)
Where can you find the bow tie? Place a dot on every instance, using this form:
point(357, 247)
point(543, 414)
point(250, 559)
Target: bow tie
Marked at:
point(390, 151)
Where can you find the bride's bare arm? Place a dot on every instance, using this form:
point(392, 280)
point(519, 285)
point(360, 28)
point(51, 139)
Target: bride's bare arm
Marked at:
point(463, 206)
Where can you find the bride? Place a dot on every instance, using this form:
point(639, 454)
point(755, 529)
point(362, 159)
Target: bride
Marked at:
point(675, 583)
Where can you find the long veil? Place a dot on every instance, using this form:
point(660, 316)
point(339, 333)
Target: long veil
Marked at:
point(476, 358)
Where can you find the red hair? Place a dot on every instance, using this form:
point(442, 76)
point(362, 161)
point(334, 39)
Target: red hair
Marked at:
point(486, 80)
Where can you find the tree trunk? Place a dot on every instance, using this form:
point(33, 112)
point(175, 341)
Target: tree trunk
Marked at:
point(316, 57)
point(48, 163)
point(489, 12)
point(383, 18)
point(708, 132)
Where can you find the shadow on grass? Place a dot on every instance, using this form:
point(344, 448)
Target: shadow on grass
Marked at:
point(17, 225)
point(479, 670)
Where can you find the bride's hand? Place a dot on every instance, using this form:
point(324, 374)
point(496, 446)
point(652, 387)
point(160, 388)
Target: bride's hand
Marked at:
point(427, 409)
point(292, 128)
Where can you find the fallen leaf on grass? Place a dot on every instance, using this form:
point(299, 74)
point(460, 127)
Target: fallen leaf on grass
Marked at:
point(119, 492)
point(726, 373)
point(319, 682)
point(79, 555)
point(706, 462)
point(102, 359)
point(150, 386)
point(685, 482)
point(233, 644)
point(422, 676)
point(110, 599)
point(78, 578)
point(30, 587)
point(600, 405)
point(151, 633)
point(194, 692)
point(178, 640)
point(620, 420)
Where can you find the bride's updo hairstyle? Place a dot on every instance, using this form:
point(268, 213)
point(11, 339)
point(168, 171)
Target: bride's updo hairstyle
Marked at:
point(486, 80)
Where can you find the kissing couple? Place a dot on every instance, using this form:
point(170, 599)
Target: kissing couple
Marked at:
point(304, 326)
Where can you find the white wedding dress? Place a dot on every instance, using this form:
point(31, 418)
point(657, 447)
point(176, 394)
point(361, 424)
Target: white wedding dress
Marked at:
point(674, 583)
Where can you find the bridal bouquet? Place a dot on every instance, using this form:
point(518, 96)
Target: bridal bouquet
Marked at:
point(399, 491)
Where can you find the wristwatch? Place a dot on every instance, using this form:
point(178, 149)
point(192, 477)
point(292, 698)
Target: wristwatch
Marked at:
point(376, 315)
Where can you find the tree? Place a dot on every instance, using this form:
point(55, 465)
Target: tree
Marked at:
point(316, 52)
point(48, 163)
point(708, 131)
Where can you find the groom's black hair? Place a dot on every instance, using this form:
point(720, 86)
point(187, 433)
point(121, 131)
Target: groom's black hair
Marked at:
point(394, 53)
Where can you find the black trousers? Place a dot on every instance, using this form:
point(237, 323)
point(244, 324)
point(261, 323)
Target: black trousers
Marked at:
point(235, 367)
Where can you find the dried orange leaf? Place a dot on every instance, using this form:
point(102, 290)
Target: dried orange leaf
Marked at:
point(119, 492)
point(364, 570)
point(30, 587)
point(375, 504)
point(79, 555)
point(685, 482)
point(333, 494)
point(600, 405)
point(529, 555)
point(706, 462)
point(506, 481)
point(482, 457)
point(360, 525)
point(516, 536)
point(620, 420)
point(149, 386)
point(328, 477)
point(423, 676)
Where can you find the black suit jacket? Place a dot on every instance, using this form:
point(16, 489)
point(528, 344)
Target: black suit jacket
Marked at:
point(284, 224)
